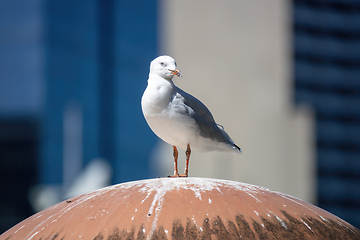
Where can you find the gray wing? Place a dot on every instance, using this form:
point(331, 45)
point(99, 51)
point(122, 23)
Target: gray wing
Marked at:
point(204, 119)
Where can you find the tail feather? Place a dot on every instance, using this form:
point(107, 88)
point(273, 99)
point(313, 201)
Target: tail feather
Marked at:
point(237, 147)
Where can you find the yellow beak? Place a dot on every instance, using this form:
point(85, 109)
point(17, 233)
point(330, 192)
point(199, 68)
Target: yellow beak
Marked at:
point(176, 72)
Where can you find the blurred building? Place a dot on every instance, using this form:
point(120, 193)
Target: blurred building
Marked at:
point(240, 66)
point(282, 77)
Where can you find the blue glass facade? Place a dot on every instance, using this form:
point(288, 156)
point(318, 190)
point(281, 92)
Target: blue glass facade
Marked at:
point(72, 77)
point(97, 55)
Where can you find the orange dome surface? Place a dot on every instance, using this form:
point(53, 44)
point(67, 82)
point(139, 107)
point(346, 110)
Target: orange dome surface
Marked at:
point(183, 208)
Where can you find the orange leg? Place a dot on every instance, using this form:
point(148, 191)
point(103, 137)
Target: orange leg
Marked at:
point(187, 152)
point(175, 154)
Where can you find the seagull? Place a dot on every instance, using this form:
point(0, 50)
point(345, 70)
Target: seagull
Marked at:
point(178, 118)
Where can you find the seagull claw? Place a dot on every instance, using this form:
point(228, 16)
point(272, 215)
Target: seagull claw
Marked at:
point(175, 175)
point(178, 175)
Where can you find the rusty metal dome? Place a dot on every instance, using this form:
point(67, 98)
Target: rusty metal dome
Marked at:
point(183, 208)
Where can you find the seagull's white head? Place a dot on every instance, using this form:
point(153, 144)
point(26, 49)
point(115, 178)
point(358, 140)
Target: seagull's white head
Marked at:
point(165, 67)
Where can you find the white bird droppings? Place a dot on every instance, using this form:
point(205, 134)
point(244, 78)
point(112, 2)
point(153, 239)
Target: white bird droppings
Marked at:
point(306, 225)
point(281, 221)
point(19, 228)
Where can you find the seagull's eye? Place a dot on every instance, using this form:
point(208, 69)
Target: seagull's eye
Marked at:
point(162, 64)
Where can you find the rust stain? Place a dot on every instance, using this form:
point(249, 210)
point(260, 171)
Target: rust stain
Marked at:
point(240, 229)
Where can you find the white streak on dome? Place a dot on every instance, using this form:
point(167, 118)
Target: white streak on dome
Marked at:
point(306, 225)
point(254, 197)
point(280, 220)
point(19, 228)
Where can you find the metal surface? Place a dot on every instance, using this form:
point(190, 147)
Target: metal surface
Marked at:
point(183, 208)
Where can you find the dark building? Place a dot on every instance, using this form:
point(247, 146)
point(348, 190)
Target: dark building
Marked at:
point(327, 76)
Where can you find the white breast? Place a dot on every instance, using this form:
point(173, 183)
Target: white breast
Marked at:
point(169, 125)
